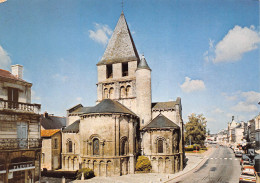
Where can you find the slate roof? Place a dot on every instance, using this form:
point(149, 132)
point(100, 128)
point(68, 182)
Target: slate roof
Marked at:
point(161, 122)
point(109, 106)
point(166, 105)
point(163, 105)
point(49, 133)
point(9, 75)
point(72, 128)
point(143, 64)
point(52, 122)
point(121, 47)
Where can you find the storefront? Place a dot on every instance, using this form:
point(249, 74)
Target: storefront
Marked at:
point(19, 167)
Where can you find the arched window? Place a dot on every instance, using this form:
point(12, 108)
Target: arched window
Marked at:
point(128, 91)
point(160, 146)
point(69, 145)
point(123, 148)
point(122, 92)
point(106, 94)
point(111, 93)
point(95, 146)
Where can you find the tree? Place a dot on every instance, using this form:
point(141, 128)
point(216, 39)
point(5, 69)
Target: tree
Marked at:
point(195, 129)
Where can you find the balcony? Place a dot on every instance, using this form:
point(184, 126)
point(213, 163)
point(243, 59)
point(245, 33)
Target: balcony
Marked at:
point(19, 106)
point(12, 144)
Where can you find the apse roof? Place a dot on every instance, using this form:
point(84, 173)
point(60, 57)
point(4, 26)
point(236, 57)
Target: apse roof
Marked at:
point(161, 122)
point(72, 128)
point(109, 106)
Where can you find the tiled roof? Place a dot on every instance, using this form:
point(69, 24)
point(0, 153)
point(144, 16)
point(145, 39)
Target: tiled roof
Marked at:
point(163, 105)
point(121, 47)
point(52, 122)
point(49, 133)
point(73, 128)
point(109, 106)
point(9, 75)
point(161, 122)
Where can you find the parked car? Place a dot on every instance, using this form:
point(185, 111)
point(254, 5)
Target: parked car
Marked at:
point(247, 175)
point(244, 158)
point(247, 164)
point(238, 154)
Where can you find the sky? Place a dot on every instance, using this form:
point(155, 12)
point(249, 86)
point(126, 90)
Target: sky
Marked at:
point(204, 51)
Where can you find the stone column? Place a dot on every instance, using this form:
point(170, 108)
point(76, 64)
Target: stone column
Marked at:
point(118, 135)
point(131, 147)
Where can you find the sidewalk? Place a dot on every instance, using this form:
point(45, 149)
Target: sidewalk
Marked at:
point(193, 161)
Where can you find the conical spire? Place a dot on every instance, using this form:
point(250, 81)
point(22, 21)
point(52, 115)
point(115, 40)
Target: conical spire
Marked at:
point(121, 47)
point(143, 64)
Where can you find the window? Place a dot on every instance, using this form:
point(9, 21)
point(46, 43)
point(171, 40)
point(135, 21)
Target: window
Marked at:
point(160, 146)
point(12, 98)
point(109, 71)
point(43, 158)
point(111, 93)
point(124, 69)
point(69, 146)
point(55, 143)
point(106, 95)
point(122, 92)
point(128, 90)
point(95, 147)
point(123, 150)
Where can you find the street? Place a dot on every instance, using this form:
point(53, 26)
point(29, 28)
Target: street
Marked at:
point(221, 166)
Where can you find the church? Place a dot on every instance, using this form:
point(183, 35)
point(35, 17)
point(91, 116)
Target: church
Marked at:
point(124, 124)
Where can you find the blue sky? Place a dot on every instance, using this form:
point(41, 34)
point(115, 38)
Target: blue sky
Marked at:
point(204, 51)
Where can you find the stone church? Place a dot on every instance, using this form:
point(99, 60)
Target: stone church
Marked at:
point(125, 123)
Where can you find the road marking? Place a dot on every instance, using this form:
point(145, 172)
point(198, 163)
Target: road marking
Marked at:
point(225, 158)
point(235, 159)
point(230, 158)
point(216, 158)
point(211, 158)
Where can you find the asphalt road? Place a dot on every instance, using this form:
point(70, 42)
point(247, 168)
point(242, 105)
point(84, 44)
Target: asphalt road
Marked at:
point(221, 166)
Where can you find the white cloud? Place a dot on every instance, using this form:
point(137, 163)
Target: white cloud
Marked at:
point(217, 111)
point(5, 61)
point(237, 42)
point(60, 77)
point(101, 33)
point(34, 96)
point(244, 107)
point(251, 96)
point(192, 85)
point(230, 97)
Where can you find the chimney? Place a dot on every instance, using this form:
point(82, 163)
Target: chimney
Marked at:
point(233, 118)
point(17, 71)
point(46, 114)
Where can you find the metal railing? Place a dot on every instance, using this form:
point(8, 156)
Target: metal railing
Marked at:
point(8, 144)
point(19, 106)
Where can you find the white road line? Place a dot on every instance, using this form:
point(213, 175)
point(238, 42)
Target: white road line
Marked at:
point(225, 158)
point(230, 158)
point(211, 158)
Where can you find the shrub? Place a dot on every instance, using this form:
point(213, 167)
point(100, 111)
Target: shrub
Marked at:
point(143, 164)
point(88, 173)
point(196, 147)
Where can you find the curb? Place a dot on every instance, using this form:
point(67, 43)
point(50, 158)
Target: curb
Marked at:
point(190, 169)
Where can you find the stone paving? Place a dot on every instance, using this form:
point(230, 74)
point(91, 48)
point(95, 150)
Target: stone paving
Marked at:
point(193, 161)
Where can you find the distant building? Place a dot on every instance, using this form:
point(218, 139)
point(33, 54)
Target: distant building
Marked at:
point(257, 131)
point(20, 137)
point(51, 149)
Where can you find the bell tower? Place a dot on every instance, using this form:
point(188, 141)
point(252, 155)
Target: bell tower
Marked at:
point(117, 67)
